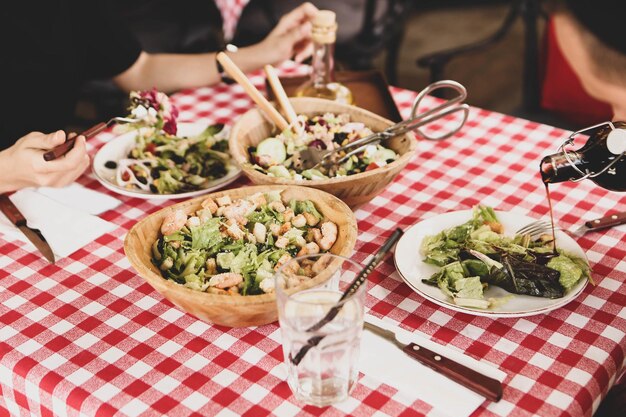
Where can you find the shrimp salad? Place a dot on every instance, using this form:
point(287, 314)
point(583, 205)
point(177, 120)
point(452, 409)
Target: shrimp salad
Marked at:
point(161, 162)
point(233, 247)
point(278, 156)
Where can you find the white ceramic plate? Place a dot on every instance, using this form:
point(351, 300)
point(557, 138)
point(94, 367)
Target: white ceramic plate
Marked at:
point(118, 148)
point(412, 269)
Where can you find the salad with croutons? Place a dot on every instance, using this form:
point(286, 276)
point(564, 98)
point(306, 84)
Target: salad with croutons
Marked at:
point(234, 247)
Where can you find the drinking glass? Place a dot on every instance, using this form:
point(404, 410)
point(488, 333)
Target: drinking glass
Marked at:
point(321, 360)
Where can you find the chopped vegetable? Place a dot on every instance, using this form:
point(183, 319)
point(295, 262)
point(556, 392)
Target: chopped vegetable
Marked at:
point(279, 156)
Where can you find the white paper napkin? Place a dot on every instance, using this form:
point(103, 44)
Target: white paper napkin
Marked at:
point(65, 228)
point(81, 198)
point(382, 360)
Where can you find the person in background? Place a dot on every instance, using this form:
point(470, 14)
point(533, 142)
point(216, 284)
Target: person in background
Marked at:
point(50, 48)
point(590, 36)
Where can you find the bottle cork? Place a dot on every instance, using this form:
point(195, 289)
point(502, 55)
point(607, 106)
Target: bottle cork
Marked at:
point(324, 27)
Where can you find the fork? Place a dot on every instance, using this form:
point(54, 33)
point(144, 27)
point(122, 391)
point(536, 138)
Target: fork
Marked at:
point(312, 157)
point(66, 146)
point(544, 226)
point(537, 228)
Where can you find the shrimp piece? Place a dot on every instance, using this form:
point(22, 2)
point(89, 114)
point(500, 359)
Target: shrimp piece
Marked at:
point(277, 206)
point(321, 264)
point(225, 280)
point(260, 232)
point(329, 235)
point(311, 220)
point(299, 221)
point(288, 214)
point(209, 204)
point(173, 222)
point(309, 249)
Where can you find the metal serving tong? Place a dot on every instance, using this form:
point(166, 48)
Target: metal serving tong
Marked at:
point(312, 157)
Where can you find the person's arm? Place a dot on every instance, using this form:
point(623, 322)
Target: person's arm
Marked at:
point(22, 165)
point(172, 72)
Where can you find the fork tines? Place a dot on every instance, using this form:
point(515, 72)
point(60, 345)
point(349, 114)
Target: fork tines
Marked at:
point(537, 228)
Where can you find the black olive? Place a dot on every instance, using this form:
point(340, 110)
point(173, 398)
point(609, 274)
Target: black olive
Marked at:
point(154, 189)
point(177, 159)
point(110, 164)
point(155, 173)
point(339, 137)
point(142, 180)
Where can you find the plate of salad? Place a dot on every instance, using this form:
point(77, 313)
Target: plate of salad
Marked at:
point(158, 158)
point(471, 261)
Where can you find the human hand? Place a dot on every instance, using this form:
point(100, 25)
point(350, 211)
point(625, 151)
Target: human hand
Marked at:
point(22, 165)
point(291, 38)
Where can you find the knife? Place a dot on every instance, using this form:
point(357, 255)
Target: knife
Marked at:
point(488, 387)
point(17, 218)
point(601, 223)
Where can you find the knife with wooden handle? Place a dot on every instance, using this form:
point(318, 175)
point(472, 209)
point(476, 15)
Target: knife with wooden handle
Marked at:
point(601, 223)
point(488, 387)
point(17, 218)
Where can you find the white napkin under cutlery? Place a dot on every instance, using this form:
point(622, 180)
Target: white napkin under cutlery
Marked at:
point(382, 360)
point(67, 227)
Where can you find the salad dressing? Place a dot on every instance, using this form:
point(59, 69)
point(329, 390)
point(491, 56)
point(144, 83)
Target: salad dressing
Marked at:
point(554, 251)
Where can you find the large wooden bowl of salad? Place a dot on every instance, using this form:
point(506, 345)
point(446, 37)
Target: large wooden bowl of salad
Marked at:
point(327, 124)
point(215, 256)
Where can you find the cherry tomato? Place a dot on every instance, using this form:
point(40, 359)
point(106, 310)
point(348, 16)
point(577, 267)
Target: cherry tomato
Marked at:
point(371, 166)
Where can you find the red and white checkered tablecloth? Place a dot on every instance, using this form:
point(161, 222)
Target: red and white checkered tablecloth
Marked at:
point(88, 337)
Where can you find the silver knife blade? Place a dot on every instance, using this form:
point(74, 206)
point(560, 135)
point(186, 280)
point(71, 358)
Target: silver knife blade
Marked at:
point(488, 387)
point(33, 235)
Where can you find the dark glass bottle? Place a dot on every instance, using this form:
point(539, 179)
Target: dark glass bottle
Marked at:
point(596, 160)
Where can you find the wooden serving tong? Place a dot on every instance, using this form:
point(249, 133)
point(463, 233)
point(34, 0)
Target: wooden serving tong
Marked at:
point(270, 111)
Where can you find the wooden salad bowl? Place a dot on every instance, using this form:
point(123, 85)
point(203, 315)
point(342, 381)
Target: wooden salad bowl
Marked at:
point(226, 310)
point(357, 189)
